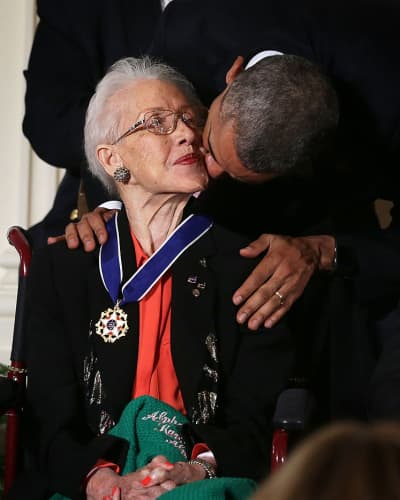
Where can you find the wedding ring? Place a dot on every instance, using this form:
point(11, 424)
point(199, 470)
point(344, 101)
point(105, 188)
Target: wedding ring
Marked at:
point(280, 297)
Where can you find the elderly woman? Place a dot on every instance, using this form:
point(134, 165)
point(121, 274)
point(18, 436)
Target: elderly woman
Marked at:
point(149, 315)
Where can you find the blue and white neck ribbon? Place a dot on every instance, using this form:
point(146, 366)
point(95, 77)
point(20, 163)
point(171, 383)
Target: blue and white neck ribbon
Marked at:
point(142, 281)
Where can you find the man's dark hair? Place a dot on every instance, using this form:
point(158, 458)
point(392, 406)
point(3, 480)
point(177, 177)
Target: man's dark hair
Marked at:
point(284, 112)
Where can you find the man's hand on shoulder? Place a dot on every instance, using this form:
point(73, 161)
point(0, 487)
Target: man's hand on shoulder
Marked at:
point(88, 231)
point(281, 276)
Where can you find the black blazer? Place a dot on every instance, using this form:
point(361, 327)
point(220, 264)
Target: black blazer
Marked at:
point(66, 297)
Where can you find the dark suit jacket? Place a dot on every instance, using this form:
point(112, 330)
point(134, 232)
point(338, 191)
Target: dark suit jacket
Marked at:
point(356, 43)
point(66, 297)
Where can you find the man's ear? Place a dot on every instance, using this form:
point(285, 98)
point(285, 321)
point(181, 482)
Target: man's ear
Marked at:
point(108, 157)
point(235, 69)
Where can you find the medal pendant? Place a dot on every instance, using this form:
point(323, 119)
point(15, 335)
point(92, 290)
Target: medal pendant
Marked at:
point(113, 324)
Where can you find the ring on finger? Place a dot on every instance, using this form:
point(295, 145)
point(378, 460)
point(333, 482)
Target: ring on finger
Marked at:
point(280, 297)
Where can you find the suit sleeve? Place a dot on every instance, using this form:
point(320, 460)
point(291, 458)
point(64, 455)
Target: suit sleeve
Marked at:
point(59, 83)
point(65, 446)
point(373, 261)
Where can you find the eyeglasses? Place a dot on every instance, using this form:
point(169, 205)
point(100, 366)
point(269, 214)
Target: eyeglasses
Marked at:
point(164, 122)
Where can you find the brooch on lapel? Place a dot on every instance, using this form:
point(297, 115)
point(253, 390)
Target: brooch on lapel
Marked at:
point(196, 290)
point(203, 262)
point(113, 324)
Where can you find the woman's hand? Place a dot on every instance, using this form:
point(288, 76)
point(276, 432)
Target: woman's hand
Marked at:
point(179, 473)
point(281, 276)
point(105, 483)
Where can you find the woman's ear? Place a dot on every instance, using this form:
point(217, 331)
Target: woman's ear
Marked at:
point(108, 157)
point(235, 69)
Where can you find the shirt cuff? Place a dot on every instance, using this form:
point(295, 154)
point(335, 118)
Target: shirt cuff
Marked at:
point(262, 55)
point(111, 205)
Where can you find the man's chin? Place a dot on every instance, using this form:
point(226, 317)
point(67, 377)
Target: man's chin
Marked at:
point(254, 178)
point(248, 177)
point(215, 173)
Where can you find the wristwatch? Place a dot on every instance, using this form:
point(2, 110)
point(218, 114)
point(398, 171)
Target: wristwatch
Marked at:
point(207, 466)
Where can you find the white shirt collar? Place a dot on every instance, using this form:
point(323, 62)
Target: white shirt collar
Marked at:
point(261, 55)
point(164, 3)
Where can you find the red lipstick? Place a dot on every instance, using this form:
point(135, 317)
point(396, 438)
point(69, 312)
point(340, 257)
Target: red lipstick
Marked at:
point(188, 159)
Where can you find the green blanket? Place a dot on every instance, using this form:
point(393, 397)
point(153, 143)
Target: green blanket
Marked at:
point(154, 428)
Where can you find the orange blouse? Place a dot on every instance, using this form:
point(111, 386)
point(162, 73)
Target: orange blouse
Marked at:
point(155, 371)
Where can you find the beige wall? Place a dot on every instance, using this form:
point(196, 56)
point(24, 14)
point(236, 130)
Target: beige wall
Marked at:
point(27, 185)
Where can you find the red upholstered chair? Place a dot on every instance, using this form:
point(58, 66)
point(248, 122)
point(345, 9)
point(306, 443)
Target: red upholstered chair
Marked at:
point(12, 386)
point(293, 414)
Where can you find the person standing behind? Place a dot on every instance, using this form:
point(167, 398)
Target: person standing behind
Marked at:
point(74, 44)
